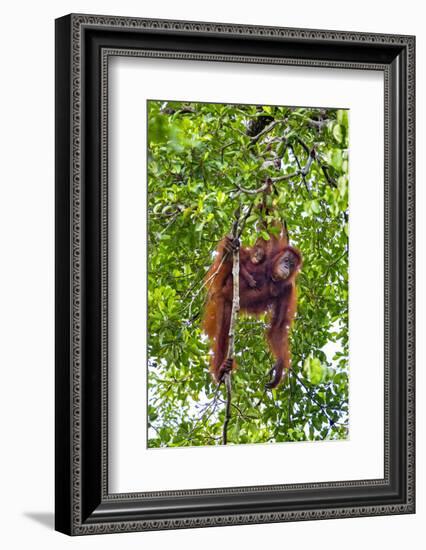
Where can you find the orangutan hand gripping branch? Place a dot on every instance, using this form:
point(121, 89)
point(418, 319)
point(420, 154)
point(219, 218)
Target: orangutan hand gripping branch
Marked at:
point(267, 285)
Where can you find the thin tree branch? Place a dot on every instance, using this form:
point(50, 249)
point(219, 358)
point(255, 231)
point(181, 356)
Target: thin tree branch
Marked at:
point(286, 176)
point(222, 150)
point(303, 144)
point(331, 181)
point(300, 170)
point(228, 408)
point(330, 420)
point(234, 313)
point(261, 189)
point(266, 130)
point(243, 222)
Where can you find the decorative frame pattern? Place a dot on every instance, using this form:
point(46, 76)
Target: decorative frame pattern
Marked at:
point(84, 44)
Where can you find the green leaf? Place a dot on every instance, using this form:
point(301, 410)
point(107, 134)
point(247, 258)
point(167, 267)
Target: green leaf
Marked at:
point(343, 118)
point(336, 159)
point(315, 207)
point(338, 132)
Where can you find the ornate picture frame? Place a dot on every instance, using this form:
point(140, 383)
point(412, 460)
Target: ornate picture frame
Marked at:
point(84, 45)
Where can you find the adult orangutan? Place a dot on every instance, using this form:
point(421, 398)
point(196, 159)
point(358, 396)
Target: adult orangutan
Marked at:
point(267, 285)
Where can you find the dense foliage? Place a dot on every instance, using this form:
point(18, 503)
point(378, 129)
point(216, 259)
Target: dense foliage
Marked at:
point(199, 154)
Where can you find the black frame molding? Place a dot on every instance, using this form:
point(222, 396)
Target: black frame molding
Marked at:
point(84, 44)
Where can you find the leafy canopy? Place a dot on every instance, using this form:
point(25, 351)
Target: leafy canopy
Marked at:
point(199, 155)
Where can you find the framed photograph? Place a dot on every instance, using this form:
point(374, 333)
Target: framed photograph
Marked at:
point(234, 274)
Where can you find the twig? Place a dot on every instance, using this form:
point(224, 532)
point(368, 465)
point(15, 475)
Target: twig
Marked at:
point(286, 176)
point(261, 189)
point(222, 150)
point(267, 183)
point(299, 166)
point(213, 275)
point(242, 414)
point(303, 144)
point(259, 401)
point(319, 124)
point(268, 128)
point(243, 222)
point(303, 171)
point(211, 405)
point(228, 408)
point(331, 181)
point(203, 284)
point(333, 263)
point(330, 420)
